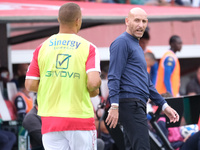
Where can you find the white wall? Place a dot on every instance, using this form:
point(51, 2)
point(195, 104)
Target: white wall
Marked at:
point(188, 51)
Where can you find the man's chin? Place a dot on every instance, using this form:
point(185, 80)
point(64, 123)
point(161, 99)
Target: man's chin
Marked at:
point(139, 35)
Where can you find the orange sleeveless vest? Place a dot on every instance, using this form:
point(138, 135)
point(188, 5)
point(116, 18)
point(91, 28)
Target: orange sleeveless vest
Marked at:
point(175, 76)
point(28, 101)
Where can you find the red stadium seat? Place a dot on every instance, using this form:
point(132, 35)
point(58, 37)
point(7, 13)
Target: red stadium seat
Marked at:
point(11, 109)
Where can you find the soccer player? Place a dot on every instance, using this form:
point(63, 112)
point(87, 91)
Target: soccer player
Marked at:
point(65, 73)
point(168, 77)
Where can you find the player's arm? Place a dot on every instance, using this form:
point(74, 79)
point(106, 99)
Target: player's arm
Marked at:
point(93, 71)
point(154, 72)
point(93, 83)
point(169, 65)
point(32, 85)
point(33, 73)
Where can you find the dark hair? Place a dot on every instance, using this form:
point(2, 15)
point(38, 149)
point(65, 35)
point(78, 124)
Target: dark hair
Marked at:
point(150, 55)
point(21, 81)
point(69, 12)
point(146, 35)
point(2, 69)
point(173, 39)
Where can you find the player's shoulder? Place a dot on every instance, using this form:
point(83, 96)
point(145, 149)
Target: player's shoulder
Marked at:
point(169, 58)
point(121, 40)
point(48, 40)
point(122, 37)
point(169, 61)
point(89, 43)
point(41, 45)
point(86, 41)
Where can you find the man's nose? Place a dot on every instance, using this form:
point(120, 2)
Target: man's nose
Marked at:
point(141, 24)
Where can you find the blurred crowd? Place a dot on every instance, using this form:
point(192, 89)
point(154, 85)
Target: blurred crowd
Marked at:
point(18, 101)
point(189, 3)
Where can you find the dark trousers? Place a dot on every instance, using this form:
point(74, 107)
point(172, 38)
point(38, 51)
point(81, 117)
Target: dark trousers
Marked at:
point(7, 140)
point(132, 116)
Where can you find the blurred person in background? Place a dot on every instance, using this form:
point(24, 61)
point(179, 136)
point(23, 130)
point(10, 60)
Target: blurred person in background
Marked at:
point(19, 70)
point(22, 101)
point(178, 142)
point(7, 140)
point(193, 87)
point(188, 139)
point(168, 77)
point(102, 107)
point(32, 123)
point(4, 78)
point(153, 65)
point(153, 2)
point(144, 41)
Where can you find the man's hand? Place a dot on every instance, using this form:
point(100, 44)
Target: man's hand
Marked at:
point(185, 139)
point(171, 114)
point(113, 115)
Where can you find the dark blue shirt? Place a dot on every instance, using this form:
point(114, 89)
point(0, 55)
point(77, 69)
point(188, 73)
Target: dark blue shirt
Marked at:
point(128, 76)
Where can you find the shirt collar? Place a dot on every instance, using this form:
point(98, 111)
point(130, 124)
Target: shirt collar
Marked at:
point(132, 37)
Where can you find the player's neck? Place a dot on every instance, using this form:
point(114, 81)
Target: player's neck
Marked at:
point(173, 50)
point(68, 30)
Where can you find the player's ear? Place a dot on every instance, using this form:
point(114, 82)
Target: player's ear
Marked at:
point(78, 21)
point(126, 20)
